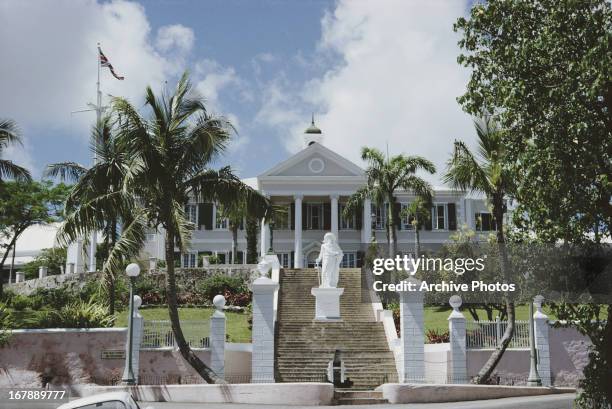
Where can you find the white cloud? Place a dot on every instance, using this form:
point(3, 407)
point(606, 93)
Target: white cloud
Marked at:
point(175, 37)
point(49, 60)
point(21, 155)
point(214, 78)
point(397, 82)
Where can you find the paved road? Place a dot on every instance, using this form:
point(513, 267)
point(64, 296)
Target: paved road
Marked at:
point(563, 401)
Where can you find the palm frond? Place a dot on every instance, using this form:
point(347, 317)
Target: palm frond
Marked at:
point(65, 171)
point(8, 169)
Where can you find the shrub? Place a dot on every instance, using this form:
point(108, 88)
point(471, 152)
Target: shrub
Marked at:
point(6, 296)
point(437, 337)
point(55, 298)
point(20, 302)
point(239, 300)
point(6, 322)
point(220, 284)
point(37, 302)
point(78, 314)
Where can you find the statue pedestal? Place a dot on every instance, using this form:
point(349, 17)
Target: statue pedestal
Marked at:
point(327, 304)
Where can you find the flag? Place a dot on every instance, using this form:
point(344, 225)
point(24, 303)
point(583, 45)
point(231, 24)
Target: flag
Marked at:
point(105, 63)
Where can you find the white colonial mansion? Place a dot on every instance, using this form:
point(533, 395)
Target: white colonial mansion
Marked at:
point(314, 185)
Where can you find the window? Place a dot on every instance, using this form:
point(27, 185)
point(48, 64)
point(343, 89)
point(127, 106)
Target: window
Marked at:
point(346, 223)
point(407, 219)
point(285, 260)
point(349, 260)
point(190, 260)
point(485, 222)
point(379, 217)
point(282, 218)
point(314, 216)
point(221, 223)
point(191, 213)
point(438, 217)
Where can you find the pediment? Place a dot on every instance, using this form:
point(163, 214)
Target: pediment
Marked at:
point(315, 160)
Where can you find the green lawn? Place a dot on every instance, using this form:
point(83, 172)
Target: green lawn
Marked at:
point(436, 318)
point(237, 325)
point(238, 328)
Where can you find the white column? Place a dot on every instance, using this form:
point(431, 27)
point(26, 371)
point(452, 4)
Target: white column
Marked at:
point(42, 271)
point(334, 214)
point(92, 252)
point(264, 237)
point(298, 262)
point(540, 324)
point(262, 364)
point(412, 334)
point(138, 324)
point(19, 277)
point(366, 228)
point(458, 350)
point(217, 337)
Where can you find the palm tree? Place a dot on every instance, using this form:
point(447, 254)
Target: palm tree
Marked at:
point(420, 211)
point(170, 156)
point(9, 134)
point(483, 172)
point(384, 177)
point(92, 203)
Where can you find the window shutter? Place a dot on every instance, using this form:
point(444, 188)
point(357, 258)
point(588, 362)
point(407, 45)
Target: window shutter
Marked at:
point(205, 215)
point(452, 217)
point(359, 219)
point(359, 260)
point(292, 259)
point(304, 216)
point(292, 215)
point(326, 216)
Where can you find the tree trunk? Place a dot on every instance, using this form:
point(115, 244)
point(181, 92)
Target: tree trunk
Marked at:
point(391, 228)
point(417, 248)
point(488, 368)
point(196, 363)
point(607, 353)
point(6, 253)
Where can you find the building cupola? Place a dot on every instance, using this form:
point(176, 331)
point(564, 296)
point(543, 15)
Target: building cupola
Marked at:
point(312, 134)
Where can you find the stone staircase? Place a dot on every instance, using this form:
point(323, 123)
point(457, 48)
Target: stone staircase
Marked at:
point(305, 347)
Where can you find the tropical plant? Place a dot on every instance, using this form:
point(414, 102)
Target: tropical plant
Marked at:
point(9, 135)
point(53, 258)
point(384, 176)
point(252, 226)
point(25, 204)
point(97, 201)
point(77, 314)
point(418, 212)
point(6, 323)
point(485, 173)
point(170, 156)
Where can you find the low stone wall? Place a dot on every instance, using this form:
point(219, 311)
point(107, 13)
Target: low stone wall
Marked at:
point(34, 358)
point(419, 393)
point(306, 394)
point(69, 281)
point(186, 278)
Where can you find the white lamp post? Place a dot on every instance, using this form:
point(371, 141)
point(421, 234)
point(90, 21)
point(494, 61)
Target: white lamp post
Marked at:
point(132, 270)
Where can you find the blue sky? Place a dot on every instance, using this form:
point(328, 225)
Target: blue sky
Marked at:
point(373, 72)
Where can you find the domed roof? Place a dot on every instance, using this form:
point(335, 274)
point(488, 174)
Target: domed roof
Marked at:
point(312, 129)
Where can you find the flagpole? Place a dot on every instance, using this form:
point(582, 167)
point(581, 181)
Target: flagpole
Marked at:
point(94, 237)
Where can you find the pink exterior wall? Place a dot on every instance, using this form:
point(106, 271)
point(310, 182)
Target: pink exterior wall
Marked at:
point(64, 356)
point(568, 357)
point(69, 356)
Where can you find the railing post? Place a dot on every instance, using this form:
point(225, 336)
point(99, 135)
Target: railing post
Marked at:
point(412, 333)
point(458, 348)
point(262, 364)
point(136, 337)
point(217, 337)
point(541, 332)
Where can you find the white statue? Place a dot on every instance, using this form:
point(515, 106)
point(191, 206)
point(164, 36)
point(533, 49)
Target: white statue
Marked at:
point(330, 258)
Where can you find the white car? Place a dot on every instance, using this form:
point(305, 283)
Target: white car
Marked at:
point(110, 400)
